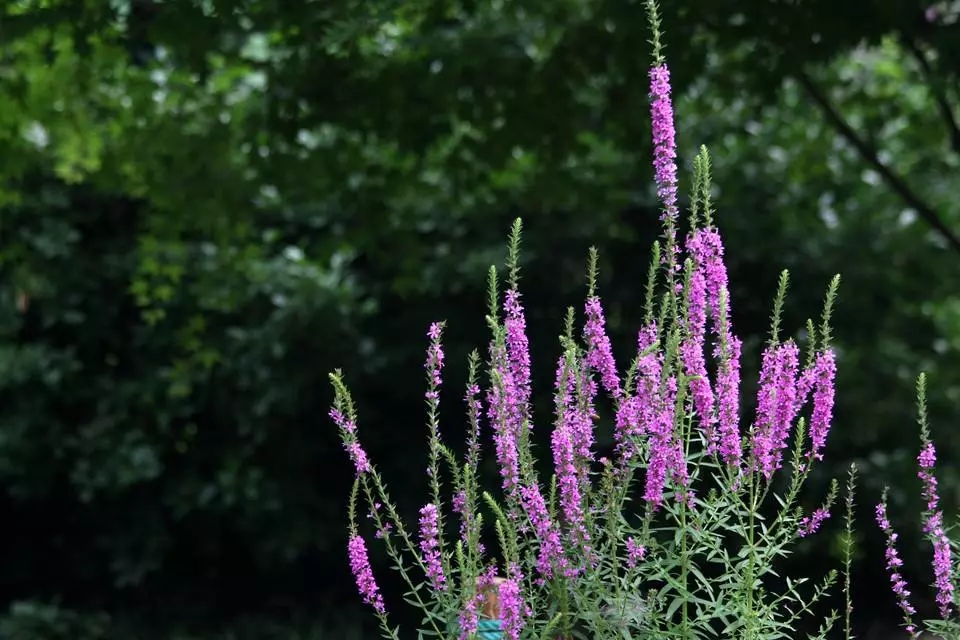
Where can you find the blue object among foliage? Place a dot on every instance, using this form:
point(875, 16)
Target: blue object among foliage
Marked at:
point(489, 630)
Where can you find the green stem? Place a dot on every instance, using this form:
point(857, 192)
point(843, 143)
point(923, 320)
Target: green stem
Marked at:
point(751, 540)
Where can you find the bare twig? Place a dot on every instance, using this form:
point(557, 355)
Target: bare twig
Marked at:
point(869, 154)
point(936, 88)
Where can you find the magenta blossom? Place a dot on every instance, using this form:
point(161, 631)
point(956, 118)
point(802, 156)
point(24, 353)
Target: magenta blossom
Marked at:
point(823, 374)
point(582, 418)
point(434, 364)
point(348, 433)
point(705, 246)
point(430, 546)
point(667, 461)
point(599, 352)
point(500, 398)
point(664, 141)
point(550, 558)
point(777, 406)
point(728, 401)
point(469, 617)
point(635, 552)
point(637, 413)
point(565, 454)
point(810, 524)
point(518, 357)
point(709, 290)
point(509, 394)
point(360, 565)
point(692, 356)
point(513, 610)
point(894, 563)
point(933, 527)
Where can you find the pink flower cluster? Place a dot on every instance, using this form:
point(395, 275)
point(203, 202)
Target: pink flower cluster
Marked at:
point(566, 458)
point(509, 413)
point(708, 289)
point(509, 396)
point(348, 433)
point(777, 406)
point(635, 552)
point(470, 615)
point(513, 610)
point(894, 563)
point(664, 140)
point(783, 391)
point(434, 364)
point(933, 527)
point(360, 565)
point(810, 524)
point(430, 546)
point(599, 356)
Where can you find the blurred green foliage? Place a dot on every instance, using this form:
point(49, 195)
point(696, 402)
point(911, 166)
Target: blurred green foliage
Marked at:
point(206, 206)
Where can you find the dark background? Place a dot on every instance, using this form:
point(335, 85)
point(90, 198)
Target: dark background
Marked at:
point(206, 207)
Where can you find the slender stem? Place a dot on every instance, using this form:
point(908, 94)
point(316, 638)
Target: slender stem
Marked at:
point(683, 568)
point(751, 533)
point(564, 607)
point(686, 429)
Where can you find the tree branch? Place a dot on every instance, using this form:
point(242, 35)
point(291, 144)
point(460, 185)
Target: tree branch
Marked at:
point(869, 154)
point(939, 95)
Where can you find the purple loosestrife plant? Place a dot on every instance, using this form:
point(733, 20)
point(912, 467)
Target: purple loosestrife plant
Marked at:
point(705, 247)
point(469, 616)
point(503, 401)
point(430, 546)
point(664, 141)
point(810, 524)
point(635, 415)
point(823, 372)
point(434, 371)
point(514, 611)
point(635, 553)
point(943, 564)
point(666, 460)
point(728, 402)
point(551, 559)
point(366, 583)
point(464, 501)
point(565, 458)
point(897, 583)
point(600, 548)
point(933, 527)
point(599, 356)
point(663, 131)
point(693, 356)
point(776, 407)
point(348, 433)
